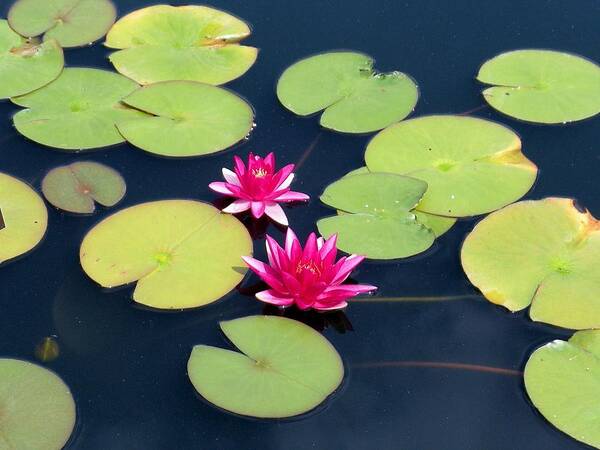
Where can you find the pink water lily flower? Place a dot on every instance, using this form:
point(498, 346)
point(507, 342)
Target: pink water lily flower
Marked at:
point(258, 187)
point(309, 277)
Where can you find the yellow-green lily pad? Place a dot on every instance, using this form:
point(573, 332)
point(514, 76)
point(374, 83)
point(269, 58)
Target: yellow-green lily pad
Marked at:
point(186, 119)
point(543, 253)
point(23, 218)
point(77, 111)
point(542, 86)
point(563, 381)
point(472, 166)
point(181, 253)
point(76, 187)
point(285, 368)
point(194, 43)
point(38, 410)
point(72, 23)
point(356, 99)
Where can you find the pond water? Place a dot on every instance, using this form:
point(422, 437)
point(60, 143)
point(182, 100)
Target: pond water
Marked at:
point(126, 365)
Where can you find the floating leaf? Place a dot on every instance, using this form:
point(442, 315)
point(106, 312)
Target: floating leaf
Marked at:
point(26, 66)
point(23, 215)
point(285, 369)
point(472, 166)
point(195, 43)
point(563, 382)
point(71, 22)
point(545, 253)
point(77, 111)
point(38, 411)
point(355, 98)
point(542, 86)
point(188, 119)
point(75, 187)
point(380, 224)
point(182, 253)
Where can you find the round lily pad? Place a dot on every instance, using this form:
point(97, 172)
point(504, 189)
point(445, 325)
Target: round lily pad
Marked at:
point(71, 22)
point(472, 166)
point(23, 218)
point(379, 223)
point(187, 119)
point(181, 253)
point(77, 111)
point(356, 99)
point(545, 253)
point(195, 43)
point(76, 187)
point(563, 382)
point(542, 86)
point(26, 66)
point(38, 411)
point(285, 368)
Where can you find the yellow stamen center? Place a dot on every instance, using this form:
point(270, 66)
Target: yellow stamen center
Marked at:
point(259, 173)
point(311, 267)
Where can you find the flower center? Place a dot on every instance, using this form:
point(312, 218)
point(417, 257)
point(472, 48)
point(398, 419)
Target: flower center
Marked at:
point(310, 266)
point(259, 173)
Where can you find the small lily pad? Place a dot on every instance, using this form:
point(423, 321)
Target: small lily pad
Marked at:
point(543, 253)
point(542, 86)
point(285, 369)
point(23, 216)
point(380, 224)
point(563, 381)
point(181, 253)
point(187, 119)
point(76, 187)
point(26, 65)
point(194, 43)
point(77, 111)
point(38, 411)
point(71, 22)
point(472, 166)
point(356, 99)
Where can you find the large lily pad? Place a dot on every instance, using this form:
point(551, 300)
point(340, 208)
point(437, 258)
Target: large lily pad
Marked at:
point(563, 382)
point(71, 22)
point(194, 43)
point(355, 98)
point(181, 253)
point(380, 224)
point(542, 86)
point(285, 369)
point(76, 187)
point(545, 253)
point(188, 119)
point(23, 218)
point(77, 111)
point(38, 411)
point(24, 65)
point(472, 166)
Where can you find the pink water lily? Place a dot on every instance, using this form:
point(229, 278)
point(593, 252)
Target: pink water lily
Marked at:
point(258, 187)
point(309, 277)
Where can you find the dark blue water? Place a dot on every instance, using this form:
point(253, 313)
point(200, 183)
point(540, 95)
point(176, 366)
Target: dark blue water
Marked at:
point(126, 365)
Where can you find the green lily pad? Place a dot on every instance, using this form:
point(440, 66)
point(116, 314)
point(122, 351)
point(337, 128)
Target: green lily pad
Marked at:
point(23, 218)
point(563, 382)
point(194, 43)
point(26, 66)
point(545, 253)
point(181, 253)
point(542, 86)
point(71, 22)
point(380, 224)
point(76, 187)
point(38, 411)
point(285, 369)
point(472, 166)
point(355, 98)
point(77, 111)
point(187, 119)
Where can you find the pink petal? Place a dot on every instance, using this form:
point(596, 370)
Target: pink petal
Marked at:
point(231, 177)
point(290, 240)
point(286, 183)
point(329, 307)
point(292, 196)
point(265, 272)
point(310, 248)
point(350, 290)
point(269, 161)
point(274, 298)
point(328, 246)
point(283, 174)
point(240, 168)
point(258, 209)
point(275, 212)
point(345, 267)
point(221, 188)
point(237, 207)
